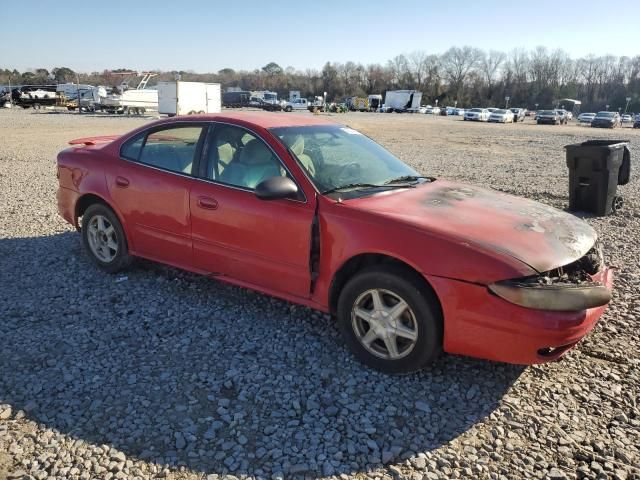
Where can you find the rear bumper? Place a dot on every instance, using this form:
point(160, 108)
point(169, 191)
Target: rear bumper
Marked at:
point(479, 324)
point(67, 199)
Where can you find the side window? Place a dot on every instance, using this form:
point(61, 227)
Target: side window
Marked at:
point(237, 157)
point(171, 149)
point(131, 149)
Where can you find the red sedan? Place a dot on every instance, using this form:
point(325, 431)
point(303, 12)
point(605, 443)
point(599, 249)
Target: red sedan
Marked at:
point(318, 214)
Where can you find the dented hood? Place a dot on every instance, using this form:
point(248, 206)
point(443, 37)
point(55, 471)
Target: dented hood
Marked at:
point(542, 237)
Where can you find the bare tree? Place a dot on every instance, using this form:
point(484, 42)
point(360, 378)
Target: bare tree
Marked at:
point(400, 71)
point(490, 64)
point(419, 64)
point(457, 63)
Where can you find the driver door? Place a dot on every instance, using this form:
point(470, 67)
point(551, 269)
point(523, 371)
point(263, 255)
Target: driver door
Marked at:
point(263, 243)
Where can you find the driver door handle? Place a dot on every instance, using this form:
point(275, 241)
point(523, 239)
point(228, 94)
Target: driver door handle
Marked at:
point(208, 203)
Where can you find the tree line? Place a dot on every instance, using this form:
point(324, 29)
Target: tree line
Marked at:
point(466, 75)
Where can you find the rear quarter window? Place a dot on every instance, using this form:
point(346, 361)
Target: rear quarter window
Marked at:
point(131, 148)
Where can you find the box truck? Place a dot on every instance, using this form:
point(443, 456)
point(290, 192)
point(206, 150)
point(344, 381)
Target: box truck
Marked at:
point(402, 100)
point(188, 98)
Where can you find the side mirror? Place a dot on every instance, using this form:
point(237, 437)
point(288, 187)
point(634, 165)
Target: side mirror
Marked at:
point(275, 188)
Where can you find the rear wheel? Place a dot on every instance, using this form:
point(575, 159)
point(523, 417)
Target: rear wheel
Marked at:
point(104, 239)
point(390, 320)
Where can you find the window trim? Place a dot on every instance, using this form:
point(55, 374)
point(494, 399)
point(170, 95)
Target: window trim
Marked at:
point(208, 129)
point(204, 126)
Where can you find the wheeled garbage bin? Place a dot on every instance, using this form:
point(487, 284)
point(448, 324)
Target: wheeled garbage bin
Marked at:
point(596, 168)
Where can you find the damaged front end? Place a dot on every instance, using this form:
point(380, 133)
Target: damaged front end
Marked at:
point(572, 287)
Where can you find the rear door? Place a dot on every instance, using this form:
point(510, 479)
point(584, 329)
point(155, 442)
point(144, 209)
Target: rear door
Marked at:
point(150, 187)
point(257, 242)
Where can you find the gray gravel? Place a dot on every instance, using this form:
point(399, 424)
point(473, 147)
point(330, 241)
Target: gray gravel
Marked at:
point(164, 374)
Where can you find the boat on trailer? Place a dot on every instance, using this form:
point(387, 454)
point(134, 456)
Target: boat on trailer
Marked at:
point(136, 101)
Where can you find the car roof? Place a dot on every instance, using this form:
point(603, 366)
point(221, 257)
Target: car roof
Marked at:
point(265, 119)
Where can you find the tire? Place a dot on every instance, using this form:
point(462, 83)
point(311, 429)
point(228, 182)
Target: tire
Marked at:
point(422, 317)
point(100, 218)
point(288, 109)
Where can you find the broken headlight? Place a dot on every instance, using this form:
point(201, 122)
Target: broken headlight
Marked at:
point(568, 288)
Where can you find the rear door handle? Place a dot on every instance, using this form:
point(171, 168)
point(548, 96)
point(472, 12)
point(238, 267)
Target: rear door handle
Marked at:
point(207, 203)
point(122, 182)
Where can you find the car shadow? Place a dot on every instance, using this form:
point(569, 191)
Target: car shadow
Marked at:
point(180, 370)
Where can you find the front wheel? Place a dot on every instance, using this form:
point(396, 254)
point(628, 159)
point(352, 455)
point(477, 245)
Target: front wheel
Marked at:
point(104, 239)
point(390, 319)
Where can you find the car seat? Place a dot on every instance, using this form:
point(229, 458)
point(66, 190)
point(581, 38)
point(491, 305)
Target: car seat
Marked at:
point(227, 148)
point(254, 164)
point(296, 145)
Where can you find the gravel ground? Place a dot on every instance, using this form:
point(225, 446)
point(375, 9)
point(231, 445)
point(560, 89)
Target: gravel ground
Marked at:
point(164, 374)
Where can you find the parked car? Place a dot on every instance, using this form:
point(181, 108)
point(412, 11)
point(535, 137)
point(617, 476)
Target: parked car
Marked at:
point(626, 118)
point(433, 110)
point(300, 208)
point(518, 114)
point(606, 120)
point(564, 119)
point(477, 114)
point(636, 123)
point(460, 112)
point(531, 113)
point(501, 116)
point(586, 117)
point(423, 109)
point(549, 116)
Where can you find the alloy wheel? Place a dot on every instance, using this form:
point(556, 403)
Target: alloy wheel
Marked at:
point(384, 324)
point(103, 241)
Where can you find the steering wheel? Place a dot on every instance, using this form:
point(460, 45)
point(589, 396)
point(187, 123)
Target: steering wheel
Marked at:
point(348, 171)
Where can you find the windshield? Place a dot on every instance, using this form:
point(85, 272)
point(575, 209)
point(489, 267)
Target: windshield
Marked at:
point(606, 114)
point(547, 112)
point(476, 109)
point(334, 156)
point(500, 111)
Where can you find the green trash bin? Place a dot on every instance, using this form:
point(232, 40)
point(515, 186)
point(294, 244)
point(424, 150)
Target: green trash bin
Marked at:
point(596, 168)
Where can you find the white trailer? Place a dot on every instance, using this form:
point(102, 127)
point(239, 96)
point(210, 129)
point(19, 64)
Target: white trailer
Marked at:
point(402, 100)
point(187, 98)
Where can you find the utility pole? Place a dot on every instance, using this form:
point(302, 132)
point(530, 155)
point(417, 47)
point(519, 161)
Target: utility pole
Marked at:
point(507, 100)
point(78, 93)
point(627, 105)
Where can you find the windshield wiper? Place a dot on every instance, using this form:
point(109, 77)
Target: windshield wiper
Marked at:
point(363, 185)
point(406, 178)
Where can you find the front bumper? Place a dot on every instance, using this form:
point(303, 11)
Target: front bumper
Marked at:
point(482, 325)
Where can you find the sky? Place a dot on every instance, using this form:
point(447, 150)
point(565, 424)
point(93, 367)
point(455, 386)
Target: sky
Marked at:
point(206, 36)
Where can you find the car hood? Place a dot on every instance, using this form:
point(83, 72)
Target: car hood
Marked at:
point(540, 236)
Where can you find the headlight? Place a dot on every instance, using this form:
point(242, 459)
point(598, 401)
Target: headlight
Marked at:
point(564, 289)
point(561, 297)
